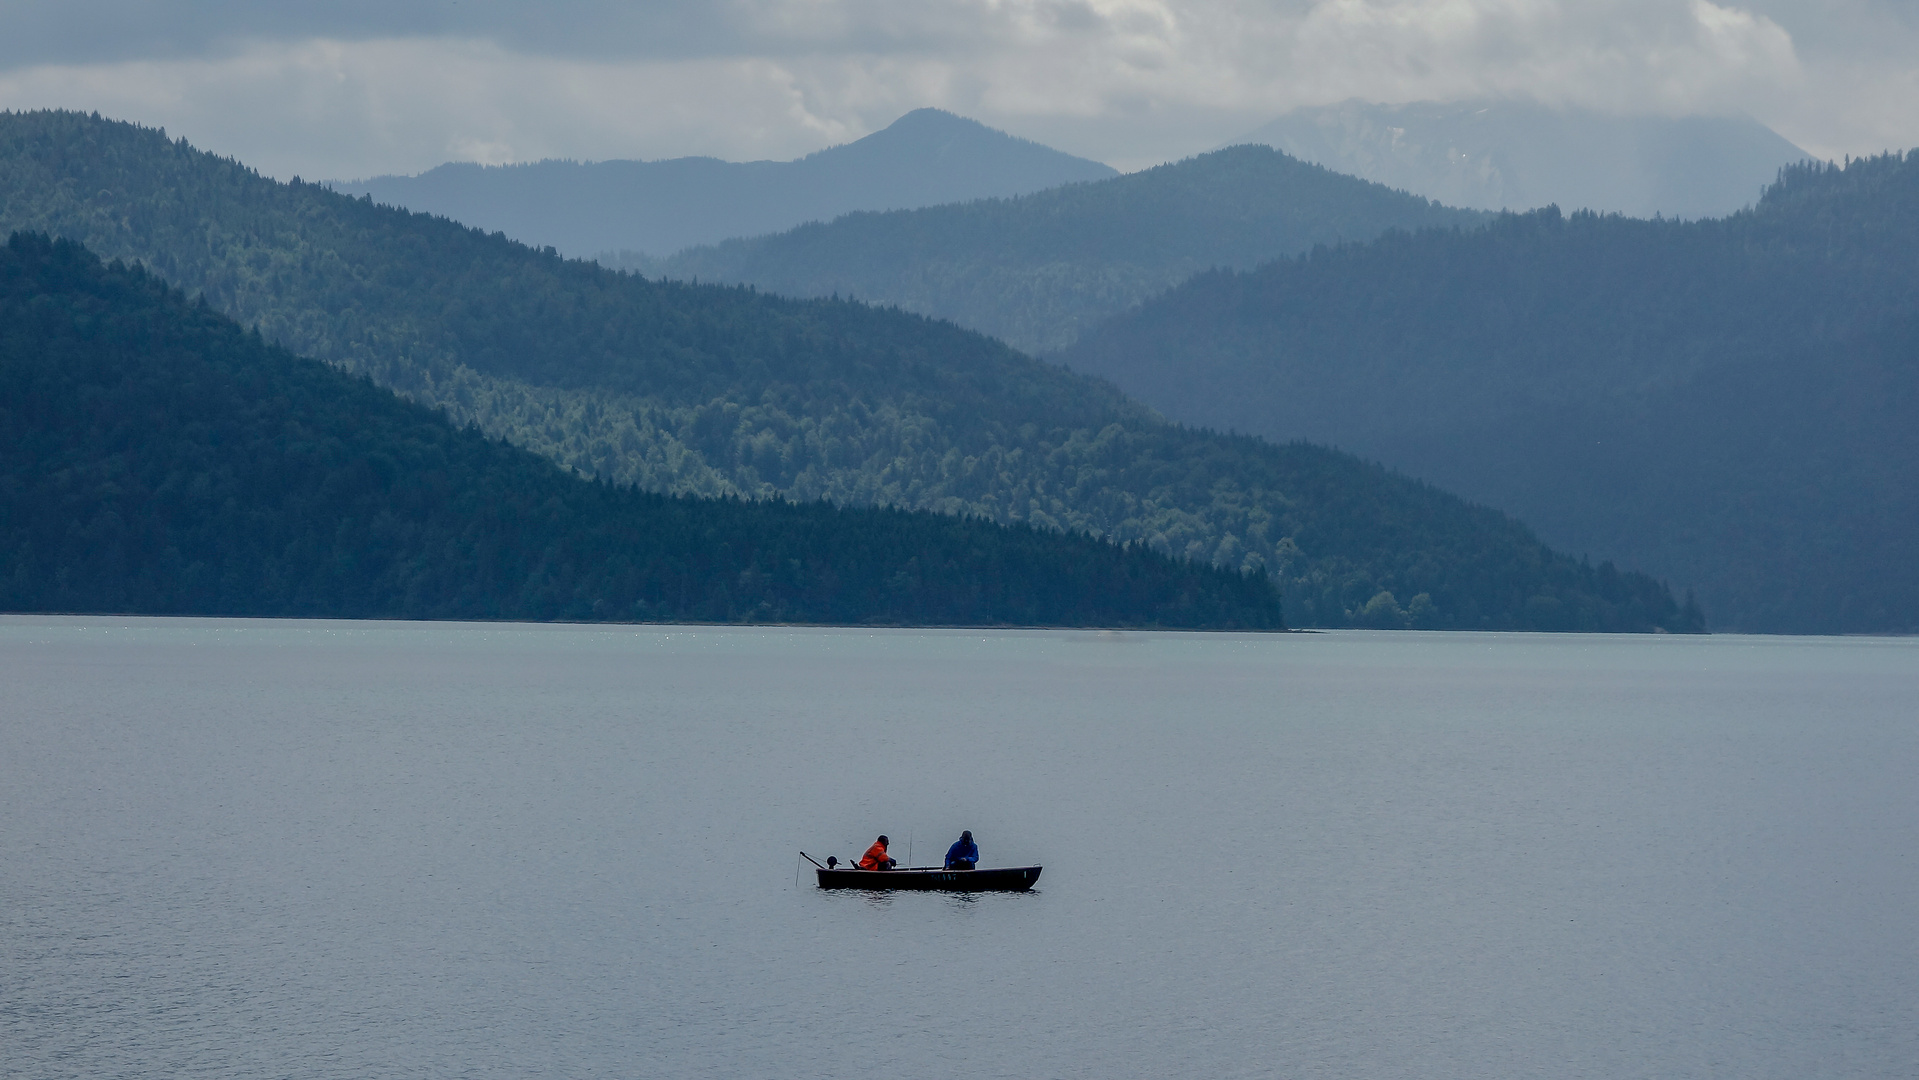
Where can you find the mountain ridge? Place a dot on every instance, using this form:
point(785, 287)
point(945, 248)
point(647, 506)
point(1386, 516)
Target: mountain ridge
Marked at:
point(925, 157)
point(1038, 269)
point(716, 390)
point(1436, 352)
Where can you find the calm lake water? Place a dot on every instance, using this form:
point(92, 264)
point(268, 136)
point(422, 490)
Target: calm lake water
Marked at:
point(313, 849)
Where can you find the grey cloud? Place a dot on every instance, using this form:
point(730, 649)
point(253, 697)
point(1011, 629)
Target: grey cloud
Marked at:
point(356, 87)
point(1849, 26)
point(106, 31)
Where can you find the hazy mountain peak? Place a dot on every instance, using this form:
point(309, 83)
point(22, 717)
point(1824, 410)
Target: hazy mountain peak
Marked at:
point(939, 133)
point(1038, 269)
point(924, 158)
point(942, 134)
point(1517, 154)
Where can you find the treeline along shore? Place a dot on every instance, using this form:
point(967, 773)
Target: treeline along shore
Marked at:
point(700, 390)
point(160, 459)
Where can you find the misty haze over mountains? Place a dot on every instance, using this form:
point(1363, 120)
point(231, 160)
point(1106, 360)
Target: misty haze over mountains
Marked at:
point(1483, 155)
point(1720, 400)
point(1038, 270)
point(710, 390)
point(1730, 403)
point(924, 158)
point(1519, 155)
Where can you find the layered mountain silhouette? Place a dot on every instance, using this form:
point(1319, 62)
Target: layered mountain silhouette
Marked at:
point(1038, 270)
point(1520, 155)
point(1730, 403)
point(658, 207)
point(715, 390)
point(159, 459)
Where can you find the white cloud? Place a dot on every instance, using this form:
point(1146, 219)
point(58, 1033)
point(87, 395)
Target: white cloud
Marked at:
point(1127, 81)
point(344, 109)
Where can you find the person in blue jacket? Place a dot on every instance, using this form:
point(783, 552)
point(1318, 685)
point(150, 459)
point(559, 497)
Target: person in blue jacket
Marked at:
point(964, 854)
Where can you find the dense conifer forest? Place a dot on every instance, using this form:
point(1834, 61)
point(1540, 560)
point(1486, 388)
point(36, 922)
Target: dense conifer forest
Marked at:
point(1729, 403)
point(713, 391)
point(1038, 270)
point(160, 459)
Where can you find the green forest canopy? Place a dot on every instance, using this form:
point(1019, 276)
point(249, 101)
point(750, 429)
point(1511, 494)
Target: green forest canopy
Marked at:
point(162, 460)
point(715, 391)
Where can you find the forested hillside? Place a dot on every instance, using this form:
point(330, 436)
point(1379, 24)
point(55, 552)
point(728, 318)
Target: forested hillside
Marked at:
point(160, 459)
point(924, 158)
point(1039, 270)
point(710, 390)
point(1605, 379)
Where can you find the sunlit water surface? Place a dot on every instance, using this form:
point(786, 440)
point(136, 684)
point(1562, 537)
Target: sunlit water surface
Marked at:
point(269, 849)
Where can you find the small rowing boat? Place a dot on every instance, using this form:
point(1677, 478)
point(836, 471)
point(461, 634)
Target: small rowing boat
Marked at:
point(995, 879)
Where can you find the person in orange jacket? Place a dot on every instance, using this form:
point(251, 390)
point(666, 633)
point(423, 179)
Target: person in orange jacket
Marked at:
point(875, 857)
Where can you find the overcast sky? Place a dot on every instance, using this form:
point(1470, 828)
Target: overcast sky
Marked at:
point(350, 89)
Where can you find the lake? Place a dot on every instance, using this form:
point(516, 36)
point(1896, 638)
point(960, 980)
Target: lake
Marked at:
point(234, 848)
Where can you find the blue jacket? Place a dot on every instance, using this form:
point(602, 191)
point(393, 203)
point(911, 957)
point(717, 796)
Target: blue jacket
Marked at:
point(962, 851)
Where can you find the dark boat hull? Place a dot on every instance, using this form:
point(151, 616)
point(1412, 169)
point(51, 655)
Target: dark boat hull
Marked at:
point(998, 879)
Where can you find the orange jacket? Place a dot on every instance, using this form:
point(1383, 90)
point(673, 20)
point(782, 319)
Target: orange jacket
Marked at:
point(875, 857)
